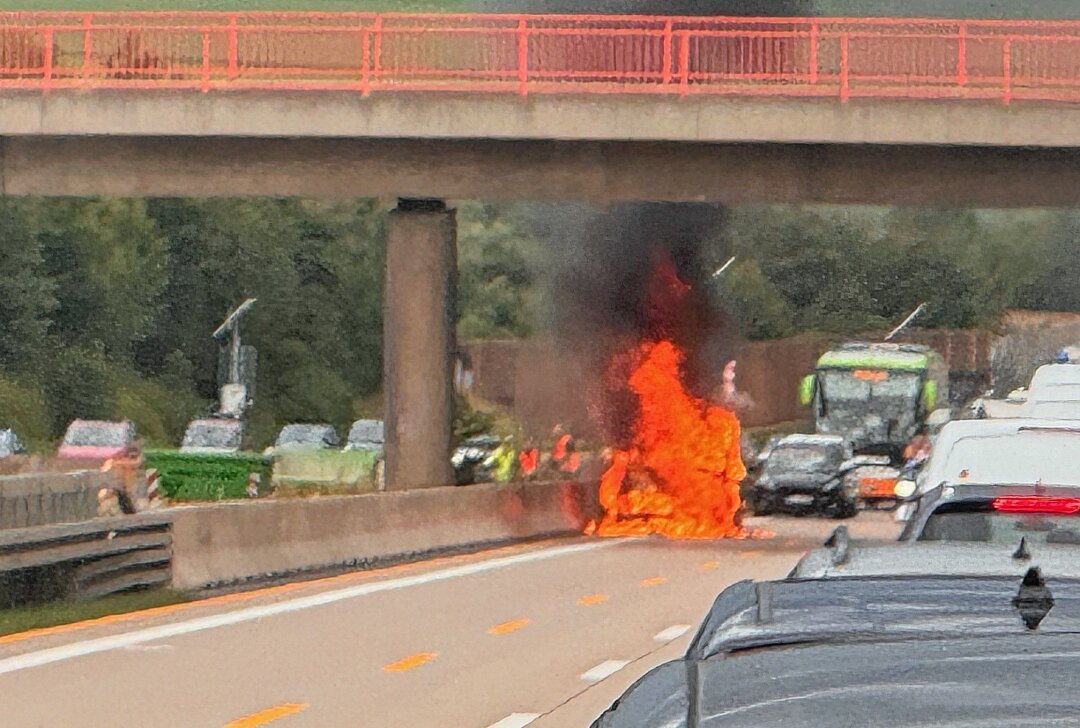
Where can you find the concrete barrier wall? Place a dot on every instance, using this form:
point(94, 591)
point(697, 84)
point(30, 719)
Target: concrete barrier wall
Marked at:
point(39, 499)
point(232, 542)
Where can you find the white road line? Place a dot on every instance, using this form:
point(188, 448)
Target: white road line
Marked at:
point(603, 670)
point(150, 634)
point(673, 632)
point(516, 720)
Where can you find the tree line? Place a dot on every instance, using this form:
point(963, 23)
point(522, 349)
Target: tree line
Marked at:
point(106, 306)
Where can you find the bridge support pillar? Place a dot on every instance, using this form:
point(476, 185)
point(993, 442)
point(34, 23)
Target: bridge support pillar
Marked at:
point(418, 343)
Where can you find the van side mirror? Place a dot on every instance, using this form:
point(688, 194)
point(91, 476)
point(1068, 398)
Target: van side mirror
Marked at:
point(806, 390)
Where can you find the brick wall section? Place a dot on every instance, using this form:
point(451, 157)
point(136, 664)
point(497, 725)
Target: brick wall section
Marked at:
point(544, 386)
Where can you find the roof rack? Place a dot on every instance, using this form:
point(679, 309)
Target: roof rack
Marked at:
point(839, 545)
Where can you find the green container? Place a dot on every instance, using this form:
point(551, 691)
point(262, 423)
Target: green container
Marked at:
point(207, 477)
point(326, 470)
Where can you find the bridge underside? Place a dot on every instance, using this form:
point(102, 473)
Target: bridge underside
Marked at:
point(592, 171)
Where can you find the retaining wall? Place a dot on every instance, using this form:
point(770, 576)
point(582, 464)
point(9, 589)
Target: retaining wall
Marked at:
point(233, 542)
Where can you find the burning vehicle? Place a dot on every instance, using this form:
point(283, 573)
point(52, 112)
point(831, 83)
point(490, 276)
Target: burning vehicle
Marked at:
point(637, 312)
point(807, 474)
point(680, 475)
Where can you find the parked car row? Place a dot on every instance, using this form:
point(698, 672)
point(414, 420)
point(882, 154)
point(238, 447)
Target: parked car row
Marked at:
point(101, 440)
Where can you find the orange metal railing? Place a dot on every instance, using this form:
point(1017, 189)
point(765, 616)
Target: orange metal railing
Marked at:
point(525, 54)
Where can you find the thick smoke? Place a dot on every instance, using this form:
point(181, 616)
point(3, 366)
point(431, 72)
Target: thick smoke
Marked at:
point(603, 281)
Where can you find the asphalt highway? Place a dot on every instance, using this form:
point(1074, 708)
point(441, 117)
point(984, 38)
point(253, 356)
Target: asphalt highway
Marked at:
point(545, 634)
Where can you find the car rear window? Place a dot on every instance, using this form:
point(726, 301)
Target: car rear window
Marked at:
point(92, 434)
point(985, 525)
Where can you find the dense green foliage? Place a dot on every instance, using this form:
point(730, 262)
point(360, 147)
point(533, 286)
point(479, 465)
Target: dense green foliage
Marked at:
point(844, 270)
point(198, 477)
point(37, 616)
point(106, 306)
point(106, 310)
point(499, 264)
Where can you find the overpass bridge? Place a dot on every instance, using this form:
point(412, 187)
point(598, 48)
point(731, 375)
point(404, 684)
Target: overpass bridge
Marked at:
point(597, 108)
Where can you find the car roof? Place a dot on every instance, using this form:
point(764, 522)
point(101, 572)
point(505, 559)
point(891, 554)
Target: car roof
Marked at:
point(1055, 374)
point(307, 434)
point(1062, 410)
point(996, 452)
point(921, 558)
point(1064, 392)
point(1020, 679)
point(753, 615)
point(366, 431)
point(876, 356)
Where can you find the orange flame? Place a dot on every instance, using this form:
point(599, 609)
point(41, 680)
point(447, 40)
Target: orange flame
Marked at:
point(680, 476)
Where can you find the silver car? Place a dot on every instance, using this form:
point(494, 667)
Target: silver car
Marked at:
point(843, 558)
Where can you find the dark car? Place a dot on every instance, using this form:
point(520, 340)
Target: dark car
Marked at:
point(996, 514)
point(806, 474)
point(469, 458)
point(934, 650)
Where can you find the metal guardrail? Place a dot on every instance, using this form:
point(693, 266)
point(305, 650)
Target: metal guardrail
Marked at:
point(86, 560)
point(524, 54)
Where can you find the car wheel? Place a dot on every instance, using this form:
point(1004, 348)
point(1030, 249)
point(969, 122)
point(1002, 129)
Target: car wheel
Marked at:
point(764, 505)
point(840, 508)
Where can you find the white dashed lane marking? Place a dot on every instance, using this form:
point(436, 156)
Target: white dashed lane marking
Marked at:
point(673, 632)
point(516, 720)
point(603, 670)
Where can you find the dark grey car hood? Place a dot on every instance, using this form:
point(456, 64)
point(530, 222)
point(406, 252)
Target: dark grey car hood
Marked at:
point(987, 682)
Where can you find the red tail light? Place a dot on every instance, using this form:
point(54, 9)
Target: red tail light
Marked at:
point(1036, 504)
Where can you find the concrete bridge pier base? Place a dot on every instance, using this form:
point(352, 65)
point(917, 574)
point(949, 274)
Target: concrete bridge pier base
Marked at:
point(418, 343)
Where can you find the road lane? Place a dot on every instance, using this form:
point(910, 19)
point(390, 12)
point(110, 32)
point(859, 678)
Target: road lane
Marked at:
point(455, 670)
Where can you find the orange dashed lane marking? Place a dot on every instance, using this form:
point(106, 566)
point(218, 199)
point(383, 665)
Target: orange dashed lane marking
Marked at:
point(654, 581)
point(410, 662)
point(592, 599)
point(267, 716)
point(708, 565)
point(508, 627)
point(750, 554)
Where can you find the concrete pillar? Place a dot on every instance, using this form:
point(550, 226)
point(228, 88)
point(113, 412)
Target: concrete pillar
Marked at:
point(418, 343)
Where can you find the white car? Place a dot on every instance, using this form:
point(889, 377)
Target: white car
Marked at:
point(1052, 375)
point(998, 451)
